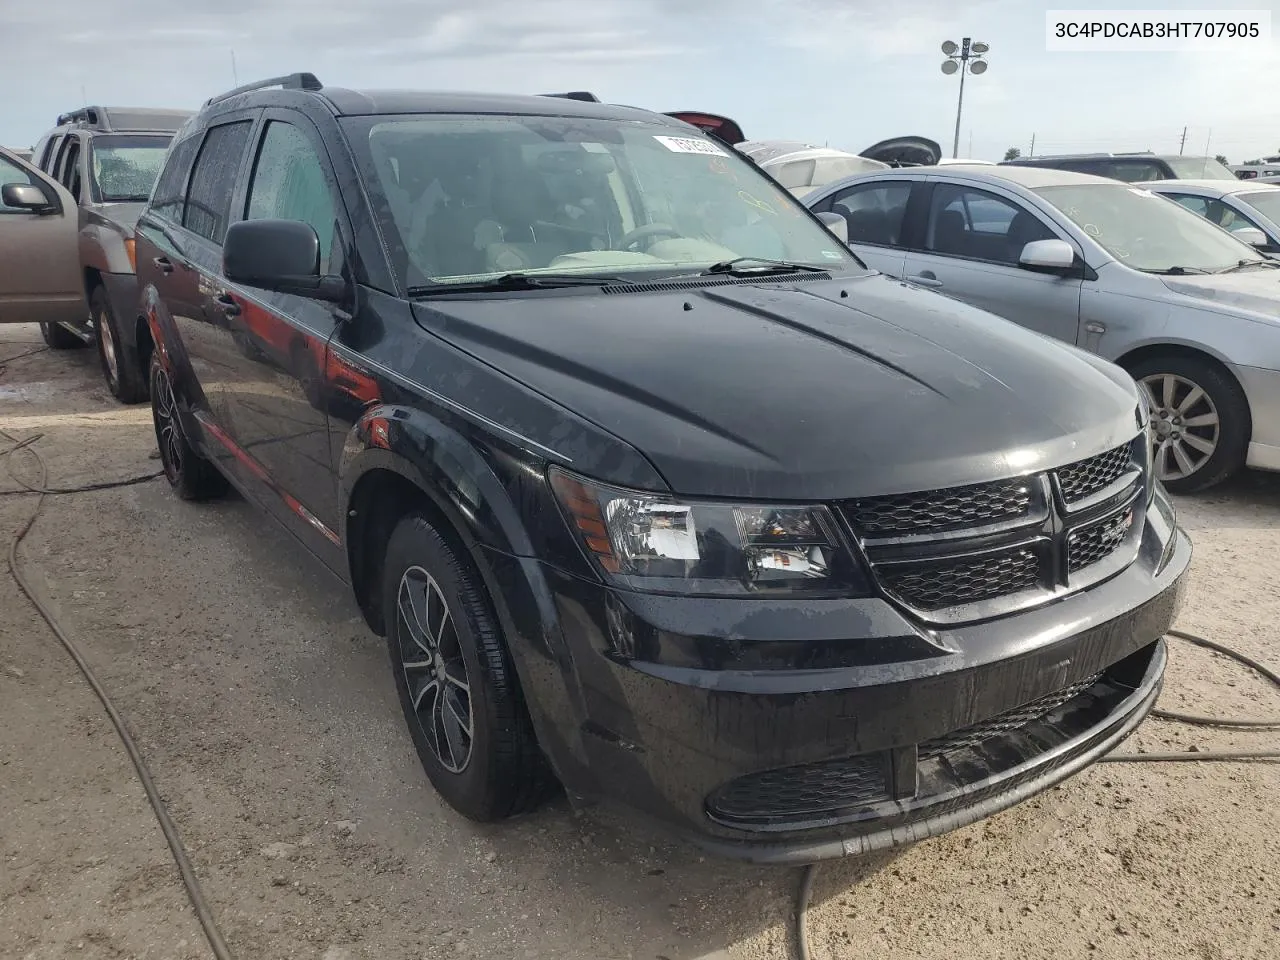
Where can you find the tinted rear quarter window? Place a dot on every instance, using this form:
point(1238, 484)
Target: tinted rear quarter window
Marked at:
point(214, 178)
point(166, 199)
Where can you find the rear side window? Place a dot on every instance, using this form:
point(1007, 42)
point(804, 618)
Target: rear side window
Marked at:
point(166, 198)
point(214, 178)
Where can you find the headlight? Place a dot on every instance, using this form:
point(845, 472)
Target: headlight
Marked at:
point(645, 541)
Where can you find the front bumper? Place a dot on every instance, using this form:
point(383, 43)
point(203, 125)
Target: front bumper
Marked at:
point(1262, 388)
point(861, 730)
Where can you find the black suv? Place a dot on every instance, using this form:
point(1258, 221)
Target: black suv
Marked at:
point(653, 488)
point(1132, 167)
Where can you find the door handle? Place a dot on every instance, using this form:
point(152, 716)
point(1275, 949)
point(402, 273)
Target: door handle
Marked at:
point(926, 279)
point(164, 263)
point(228, 305)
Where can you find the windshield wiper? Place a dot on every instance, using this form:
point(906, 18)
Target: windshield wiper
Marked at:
point(1250, 263)
point(518, 281)
point(769, 266)
point(1177, 271)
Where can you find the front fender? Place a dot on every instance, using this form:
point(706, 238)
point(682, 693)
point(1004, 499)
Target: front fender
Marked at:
point(478, 503)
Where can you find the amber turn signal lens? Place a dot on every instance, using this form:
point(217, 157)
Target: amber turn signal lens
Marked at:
point(133, 257)
point(584, 511)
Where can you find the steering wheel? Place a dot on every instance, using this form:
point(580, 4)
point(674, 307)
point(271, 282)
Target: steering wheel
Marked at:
point(632, 237)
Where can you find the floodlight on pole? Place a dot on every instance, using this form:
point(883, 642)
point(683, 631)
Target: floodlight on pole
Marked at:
point(963, 58)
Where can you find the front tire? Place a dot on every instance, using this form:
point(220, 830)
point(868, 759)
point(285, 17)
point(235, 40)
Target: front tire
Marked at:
point(125, 381)
point(457, 686)
point(1200, 421)
point(191, 475)
point(59, 337)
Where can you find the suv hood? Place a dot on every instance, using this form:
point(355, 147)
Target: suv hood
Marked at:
point(122, 214)
point(797, 391)
point(1257, 291)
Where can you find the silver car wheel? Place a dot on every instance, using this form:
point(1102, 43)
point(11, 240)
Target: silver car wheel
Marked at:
point(108, 346)
point(435, 669)
point(1185, 426)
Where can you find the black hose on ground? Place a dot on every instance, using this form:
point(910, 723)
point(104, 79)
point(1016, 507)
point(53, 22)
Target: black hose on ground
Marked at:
point(810, 872)
point(204, 914)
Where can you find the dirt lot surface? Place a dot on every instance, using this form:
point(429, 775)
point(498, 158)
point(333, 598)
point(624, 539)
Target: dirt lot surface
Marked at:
point(268, 715)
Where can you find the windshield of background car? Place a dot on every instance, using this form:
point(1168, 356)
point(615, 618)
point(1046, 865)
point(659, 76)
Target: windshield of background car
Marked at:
point(1145, 230)
point(125, 168)
point(1199, 168)
point(1265, 201)
point(473, 198)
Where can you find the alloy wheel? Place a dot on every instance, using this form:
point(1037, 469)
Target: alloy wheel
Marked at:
point(1185, 425)
point(435, 670)
point(107, 345)
point(167, 429)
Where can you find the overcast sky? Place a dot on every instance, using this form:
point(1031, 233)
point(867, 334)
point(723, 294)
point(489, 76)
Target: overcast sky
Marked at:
point(848, 72)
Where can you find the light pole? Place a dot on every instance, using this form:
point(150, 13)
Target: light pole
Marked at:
point(962, 59)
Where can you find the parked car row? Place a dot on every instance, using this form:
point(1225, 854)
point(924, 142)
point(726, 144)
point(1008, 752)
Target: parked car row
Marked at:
point(659, 492)
point(1132, 275)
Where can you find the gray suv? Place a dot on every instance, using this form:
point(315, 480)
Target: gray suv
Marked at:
point(108, 159)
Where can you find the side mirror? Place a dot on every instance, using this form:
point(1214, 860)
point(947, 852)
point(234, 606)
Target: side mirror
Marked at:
point(279, 255)
point(25, 196)
point(1251, 235)
point(837, 224)
point(1048, 255)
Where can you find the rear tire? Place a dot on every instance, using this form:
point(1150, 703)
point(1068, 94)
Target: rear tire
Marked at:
point(125, 381)
point(464, 677)
point(59, 337)
point(1204, 416)
point(191, 475)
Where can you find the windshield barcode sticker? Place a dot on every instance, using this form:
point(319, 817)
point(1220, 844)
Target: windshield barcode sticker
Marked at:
point(691, 145)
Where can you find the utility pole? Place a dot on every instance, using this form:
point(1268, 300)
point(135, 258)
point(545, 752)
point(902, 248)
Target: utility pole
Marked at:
point(970, 154)
point(1184, 141)
point(84, 97)
point(1208, 140)
point(1033, 146)
point(235, 76)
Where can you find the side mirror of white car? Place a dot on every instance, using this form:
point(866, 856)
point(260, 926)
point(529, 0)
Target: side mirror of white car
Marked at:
point(837, 224)
point(1251, 235)
point(1048, 254)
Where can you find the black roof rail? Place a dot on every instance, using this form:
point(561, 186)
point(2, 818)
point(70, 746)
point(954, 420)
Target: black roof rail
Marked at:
point(91, 115)
point(292, 81)
point(582, 95)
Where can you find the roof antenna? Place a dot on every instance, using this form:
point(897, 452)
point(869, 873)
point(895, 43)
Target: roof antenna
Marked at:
point(84, 97)
point(235, 77)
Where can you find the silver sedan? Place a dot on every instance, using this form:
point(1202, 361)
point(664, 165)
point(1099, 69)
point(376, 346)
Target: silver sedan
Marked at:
point(1245, 207)
point(1190, 311)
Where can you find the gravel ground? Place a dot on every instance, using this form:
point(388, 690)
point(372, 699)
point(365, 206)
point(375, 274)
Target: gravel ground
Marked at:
point(268, 715)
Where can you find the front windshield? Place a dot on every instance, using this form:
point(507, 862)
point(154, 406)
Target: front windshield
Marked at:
point(473, 198)
point(1199, 168)
point(1146, 231)
point(125, 168)
point(1266, 201)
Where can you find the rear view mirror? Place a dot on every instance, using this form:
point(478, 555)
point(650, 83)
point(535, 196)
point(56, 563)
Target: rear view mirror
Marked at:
point(279, 255)
point(1251, 235)
point(1048, 254)
point(837, 225)
point(25, 196)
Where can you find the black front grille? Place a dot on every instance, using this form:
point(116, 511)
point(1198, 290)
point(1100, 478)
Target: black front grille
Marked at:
point(940, 510)
point(955, 546)
point(952, 581)
point(1087, 477)
point(1088, 545)
point(1006, 722)
point(800, 792)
